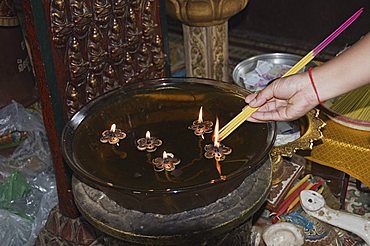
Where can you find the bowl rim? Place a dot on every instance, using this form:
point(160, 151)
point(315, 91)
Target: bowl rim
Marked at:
point(72, 125)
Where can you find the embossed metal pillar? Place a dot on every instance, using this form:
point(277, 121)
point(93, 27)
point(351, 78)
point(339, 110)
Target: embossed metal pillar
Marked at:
point(205, 34)
point(206, 51)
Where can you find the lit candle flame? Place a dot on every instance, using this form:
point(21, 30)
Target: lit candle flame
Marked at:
point(147, 135)
point(164, 155)
point(113, 128)
point(218, 167)
point(215, 135)
point(200, 118)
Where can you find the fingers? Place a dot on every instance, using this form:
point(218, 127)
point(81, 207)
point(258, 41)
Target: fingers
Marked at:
point(282, 100)
point(280, 113)
point(261, 97)
point(251, 119)
point(275, 115)
point(254, 100)
point(275, 110)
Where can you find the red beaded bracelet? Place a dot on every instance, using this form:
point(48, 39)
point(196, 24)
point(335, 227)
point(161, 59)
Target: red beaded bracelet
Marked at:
point(313, 84)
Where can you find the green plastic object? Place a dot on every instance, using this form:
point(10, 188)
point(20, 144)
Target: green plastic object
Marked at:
point(12, 189)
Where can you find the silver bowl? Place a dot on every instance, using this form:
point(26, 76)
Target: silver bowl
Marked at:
point(249, 64)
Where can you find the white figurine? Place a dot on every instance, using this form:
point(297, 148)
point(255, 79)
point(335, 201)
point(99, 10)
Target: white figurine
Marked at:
point(313, 204)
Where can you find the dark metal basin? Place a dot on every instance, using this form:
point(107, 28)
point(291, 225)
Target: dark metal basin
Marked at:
point(165, 107)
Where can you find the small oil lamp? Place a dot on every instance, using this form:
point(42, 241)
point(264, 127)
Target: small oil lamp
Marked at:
point(113, 135)
point(167, 162)
point(216, 150)
point(199, 126)
point(148, 143)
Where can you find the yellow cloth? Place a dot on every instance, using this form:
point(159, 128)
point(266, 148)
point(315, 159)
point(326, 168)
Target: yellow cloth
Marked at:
point(344, 149)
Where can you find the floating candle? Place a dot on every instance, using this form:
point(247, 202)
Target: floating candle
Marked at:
point(216, 150)
point(201, 127)
point(112, 136)
point(148, 143)
point(167, 162)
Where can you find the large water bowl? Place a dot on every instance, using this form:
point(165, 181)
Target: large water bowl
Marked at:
point(166, 108)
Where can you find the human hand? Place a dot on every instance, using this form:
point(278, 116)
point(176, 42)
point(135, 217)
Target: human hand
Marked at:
point(284, 99)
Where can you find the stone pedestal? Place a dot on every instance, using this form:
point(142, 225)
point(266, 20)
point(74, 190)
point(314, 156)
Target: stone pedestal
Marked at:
point(224, 222)
point(205, 35)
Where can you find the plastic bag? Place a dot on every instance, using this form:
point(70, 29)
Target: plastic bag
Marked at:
point(27, 181)
point(32, 155)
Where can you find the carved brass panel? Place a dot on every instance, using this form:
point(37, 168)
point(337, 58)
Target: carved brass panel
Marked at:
point(104, 44)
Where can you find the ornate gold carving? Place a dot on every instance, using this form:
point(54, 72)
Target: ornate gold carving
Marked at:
point(96, 53)
point(109, 76)
point(120, 8)
point(312, 132)
point(115, 45)
point(92, 90)
point(102, 12)
point(144, 61)
point(81, 17)
point(72, 100)
point(133, 32)
point(77, 64)
point(148, 22)
point(277, 169)
point(128, 70)
point(59, 23)
point(135, 4)
point(204, 12)
point(312, 125)
point(158, 55)
point(105, 44)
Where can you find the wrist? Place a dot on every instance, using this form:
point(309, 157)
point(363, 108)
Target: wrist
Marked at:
point(314, 85)
point(307, 91)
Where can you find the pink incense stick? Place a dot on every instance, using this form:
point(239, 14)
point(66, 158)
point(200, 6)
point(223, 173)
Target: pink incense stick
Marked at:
point(339, 30)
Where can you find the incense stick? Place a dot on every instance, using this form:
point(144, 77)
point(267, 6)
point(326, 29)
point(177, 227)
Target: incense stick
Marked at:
point(307, 58)
point(354, 104)
point(248, 111)
point(236, 122)
point(339, 30)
